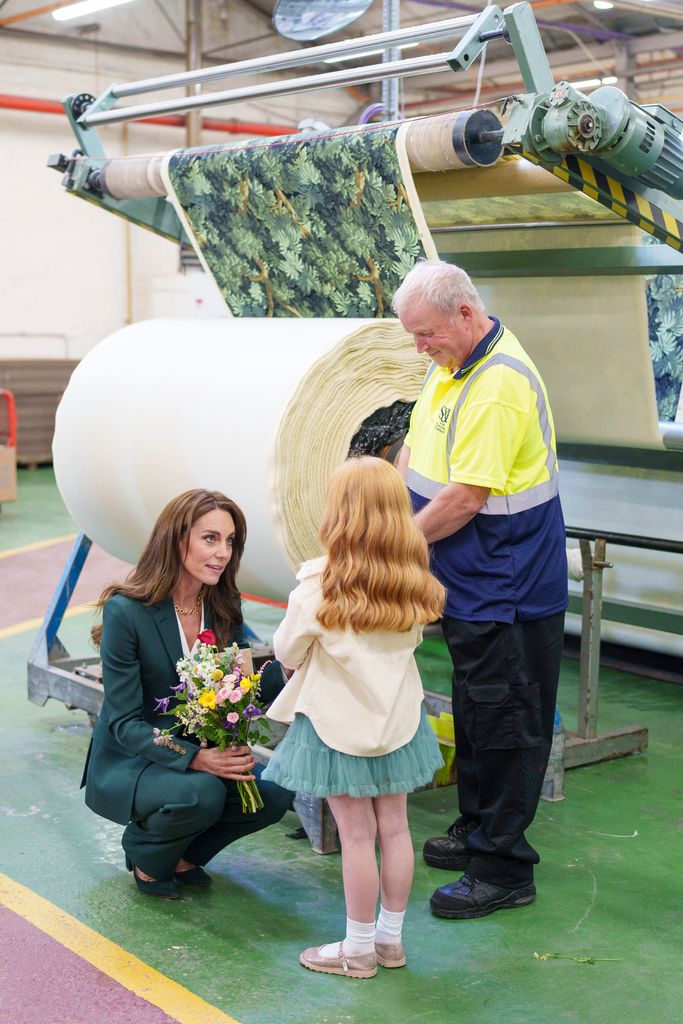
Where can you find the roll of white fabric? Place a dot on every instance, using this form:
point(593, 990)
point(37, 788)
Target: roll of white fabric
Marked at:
point(262, 410)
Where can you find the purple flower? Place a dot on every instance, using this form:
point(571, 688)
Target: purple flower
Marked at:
point(251, 712)
point(179, 688)
point(162, 704)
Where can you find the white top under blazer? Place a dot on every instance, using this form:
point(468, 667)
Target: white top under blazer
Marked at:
point(361, 691)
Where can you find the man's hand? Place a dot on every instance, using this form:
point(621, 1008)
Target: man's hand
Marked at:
point(235, 763)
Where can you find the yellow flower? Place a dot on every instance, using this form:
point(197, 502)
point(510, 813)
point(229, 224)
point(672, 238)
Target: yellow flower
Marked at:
point(246, 683)
point(208, 699)
point(217, 675)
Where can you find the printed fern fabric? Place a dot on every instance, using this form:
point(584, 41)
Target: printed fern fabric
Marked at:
point(303, 226)
point(665, 319)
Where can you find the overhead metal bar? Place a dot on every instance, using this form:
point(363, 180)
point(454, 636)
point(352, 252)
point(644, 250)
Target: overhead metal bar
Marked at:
point(329, 80)
point(391, 19)
point(429, 32)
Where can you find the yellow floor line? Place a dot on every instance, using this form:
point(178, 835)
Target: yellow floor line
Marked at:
point(135, 975)
point(36, 545)
point(27, 624)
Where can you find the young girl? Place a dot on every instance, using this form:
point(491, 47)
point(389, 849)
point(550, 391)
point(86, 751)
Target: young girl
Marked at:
point(360, 735)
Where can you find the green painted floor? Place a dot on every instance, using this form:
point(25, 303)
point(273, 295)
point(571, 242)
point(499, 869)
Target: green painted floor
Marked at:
point(38, 514)
point(609, 883)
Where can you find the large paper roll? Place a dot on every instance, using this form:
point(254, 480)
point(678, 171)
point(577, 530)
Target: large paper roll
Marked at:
point(263, 410)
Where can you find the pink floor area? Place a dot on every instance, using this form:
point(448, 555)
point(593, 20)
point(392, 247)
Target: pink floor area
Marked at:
point(42, 982)
point(32, 577)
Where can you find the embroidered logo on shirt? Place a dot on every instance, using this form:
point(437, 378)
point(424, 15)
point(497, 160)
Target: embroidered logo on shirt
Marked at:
point(443, 417)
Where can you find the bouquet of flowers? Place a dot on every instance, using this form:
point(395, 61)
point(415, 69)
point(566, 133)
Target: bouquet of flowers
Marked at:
point(218, 703)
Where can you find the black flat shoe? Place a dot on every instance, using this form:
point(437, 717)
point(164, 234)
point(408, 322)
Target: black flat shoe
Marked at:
point(162, 888)
point(197, 878)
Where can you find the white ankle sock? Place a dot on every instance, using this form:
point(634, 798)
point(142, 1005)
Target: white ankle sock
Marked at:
point(360, 939)
point(389, 926)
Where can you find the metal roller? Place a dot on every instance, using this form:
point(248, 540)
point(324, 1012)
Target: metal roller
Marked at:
point(467, 138)
point(131, 177)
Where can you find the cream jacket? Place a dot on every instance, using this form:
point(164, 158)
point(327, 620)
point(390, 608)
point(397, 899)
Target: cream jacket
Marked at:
point(361, 691)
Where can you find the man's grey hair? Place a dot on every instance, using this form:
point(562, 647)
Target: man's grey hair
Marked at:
point(443, 285)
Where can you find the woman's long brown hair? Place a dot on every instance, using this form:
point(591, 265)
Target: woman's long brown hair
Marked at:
point(377, 573)
point(160, 566)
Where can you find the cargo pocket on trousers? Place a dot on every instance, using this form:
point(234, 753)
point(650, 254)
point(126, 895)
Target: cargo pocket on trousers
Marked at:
point(494, 715)
point(506, 717)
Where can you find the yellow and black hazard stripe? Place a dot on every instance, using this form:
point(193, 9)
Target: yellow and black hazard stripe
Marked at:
point(616, 197)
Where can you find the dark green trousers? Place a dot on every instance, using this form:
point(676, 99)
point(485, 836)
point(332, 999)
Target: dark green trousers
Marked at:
point(192, 815)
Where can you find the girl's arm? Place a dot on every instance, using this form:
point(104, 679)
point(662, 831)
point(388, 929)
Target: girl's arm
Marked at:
point(272, 676)
point(299, 629)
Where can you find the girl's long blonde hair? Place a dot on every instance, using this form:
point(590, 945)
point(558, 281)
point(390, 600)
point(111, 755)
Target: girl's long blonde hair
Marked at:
point(377, 573)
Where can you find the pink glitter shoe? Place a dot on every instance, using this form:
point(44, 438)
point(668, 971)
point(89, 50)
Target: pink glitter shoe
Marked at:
point(364, 966)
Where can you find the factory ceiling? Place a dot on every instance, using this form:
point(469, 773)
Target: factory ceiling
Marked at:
point(638, 42)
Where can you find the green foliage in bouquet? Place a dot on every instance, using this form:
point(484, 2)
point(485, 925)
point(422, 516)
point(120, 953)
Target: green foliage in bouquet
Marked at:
point(218, 703)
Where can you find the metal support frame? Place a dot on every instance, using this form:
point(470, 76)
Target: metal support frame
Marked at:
point(391, 86)
point(587, 745)
point(594, 261)
point(302, 57)
point(51, 671)
point(79, 178)
point(193, 41)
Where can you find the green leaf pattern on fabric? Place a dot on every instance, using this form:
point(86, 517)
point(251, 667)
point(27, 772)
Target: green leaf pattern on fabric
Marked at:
point(665, 326)
point(306, 226)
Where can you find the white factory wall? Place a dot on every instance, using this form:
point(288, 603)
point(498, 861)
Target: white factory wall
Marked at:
point(72, 273)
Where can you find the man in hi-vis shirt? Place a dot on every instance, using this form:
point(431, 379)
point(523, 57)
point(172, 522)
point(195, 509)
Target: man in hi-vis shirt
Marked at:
point(480, 463)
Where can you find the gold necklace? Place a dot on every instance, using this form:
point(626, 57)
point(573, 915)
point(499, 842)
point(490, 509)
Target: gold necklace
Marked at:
point(193, 609)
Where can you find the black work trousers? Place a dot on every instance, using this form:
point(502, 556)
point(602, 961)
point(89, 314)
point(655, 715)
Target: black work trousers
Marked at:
point(505, 678)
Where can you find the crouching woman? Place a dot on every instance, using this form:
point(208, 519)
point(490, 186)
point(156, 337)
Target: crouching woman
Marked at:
point(178, 801)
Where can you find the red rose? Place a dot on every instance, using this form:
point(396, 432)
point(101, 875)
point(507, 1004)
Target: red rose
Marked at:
point(207, 636)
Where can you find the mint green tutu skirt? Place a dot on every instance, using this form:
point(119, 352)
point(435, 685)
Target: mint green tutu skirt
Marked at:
point(304, 764)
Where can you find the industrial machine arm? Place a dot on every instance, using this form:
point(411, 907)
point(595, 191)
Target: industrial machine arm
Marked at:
point(625, 156)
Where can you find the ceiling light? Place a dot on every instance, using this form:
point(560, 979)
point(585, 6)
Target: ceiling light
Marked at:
point(589, 83)
point(78, 10)
point(603, 5)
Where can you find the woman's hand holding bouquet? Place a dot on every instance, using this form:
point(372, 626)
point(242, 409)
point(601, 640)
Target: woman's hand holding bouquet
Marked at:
point(219, 704)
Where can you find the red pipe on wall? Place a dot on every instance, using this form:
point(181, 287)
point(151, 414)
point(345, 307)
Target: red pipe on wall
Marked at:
point(35, 106)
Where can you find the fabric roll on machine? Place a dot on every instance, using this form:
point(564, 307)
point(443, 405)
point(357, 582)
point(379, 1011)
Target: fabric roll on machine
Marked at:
point(556, 202)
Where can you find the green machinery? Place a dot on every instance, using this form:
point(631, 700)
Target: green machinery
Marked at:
point(627, 157)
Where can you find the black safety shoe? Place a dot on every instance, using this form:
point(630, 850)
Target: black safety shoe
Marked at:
point(469, 897)
point(450, 852)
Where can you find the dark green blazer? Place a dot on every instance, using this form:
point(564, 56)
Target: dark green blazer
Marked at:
point(139, 649)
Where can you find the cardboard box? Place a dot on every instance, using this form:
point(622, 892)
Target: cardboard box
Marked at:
point(8, 473)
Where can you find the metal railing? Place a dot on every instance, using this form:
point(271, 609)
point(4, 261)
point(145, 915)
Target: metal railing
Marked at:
point(103, 113)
